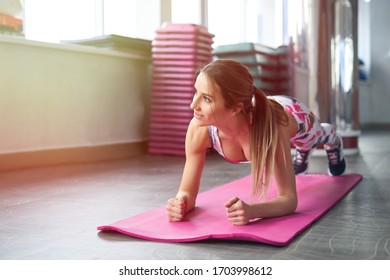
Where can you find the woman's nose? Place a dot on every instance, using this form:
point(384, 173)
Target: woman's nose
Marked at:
point(194, 103)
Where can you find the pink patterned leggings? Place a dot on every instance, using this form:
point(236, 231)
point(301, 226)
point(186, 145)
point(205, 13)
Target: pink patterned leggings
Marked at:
point(311, 132)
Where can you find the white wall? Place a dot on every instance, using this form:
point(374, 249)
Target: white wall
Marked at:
point(380, 61)
point(61, 96)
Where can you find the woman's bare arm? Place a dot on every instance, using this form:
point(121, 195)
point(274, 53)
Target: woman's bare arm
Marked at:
point(240, 212)
point(197, 142)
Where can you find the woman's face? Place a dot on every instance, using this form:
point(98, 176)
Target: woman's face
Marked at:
point(208, 103)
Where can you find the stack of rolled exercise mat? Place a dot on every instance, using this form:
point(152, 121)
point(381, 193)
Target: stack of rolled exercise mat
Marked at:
point(178, 52)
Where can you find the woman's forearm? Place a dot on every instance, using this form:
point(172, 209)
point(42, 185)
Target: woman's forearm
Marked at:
point(280, 206)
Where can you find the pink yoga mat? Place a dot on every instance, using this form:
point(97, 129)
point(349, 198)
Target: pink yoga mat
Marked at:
point(317, 194)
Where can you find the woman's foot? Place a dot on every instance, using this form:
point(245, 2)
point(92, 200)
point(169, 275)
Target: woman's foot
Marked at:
point(301, 161)
point(336, 165)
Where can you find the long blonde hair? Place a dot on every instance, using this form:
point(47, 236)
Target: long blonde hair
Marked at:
point(263, 116)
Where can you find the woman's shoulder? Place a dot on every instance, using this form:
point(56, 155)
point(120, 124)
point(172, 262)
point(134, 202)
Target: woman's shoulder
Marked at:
point(198, 137)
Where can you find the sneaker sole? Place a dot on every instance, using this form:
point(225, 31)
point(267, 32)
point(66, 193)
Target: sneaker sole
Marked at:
point(330, 174)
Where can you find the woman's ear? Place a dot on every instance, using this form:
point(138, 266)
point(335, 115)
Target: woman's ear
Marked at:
point(239, 107)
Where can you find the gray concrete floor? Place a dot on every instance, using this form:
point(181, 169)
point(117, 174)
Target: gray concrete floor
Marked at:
point(52, 212)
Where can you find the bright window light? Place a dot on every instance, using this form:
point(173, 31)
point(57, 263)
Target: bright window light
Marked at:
point(56, 20)
point(233, 21)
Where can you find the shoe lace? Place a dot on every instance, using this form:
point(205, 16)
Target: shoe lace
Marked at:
point(333, 157)
point(301, 156)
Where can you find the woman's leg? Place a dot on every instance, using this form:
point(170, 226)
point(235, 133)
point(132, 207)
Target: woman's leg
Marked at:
point(317, 134)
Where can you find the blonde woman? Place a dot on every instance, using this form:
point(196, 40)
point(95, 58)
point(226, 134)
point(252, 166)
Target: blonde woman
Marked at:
point(244, 125)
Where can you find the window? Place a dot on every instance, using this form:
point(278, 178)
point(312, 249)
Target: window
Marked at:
point(226, 21)
point(259, 21)
point(132, 18)
point(57, 20)
point(186, 11)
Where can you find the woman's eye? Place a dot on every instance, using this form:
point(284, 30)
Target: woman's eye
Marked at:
point(204, 97)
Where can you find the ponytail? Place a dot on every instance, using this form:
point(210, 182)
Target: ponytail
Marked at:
point(267, 115)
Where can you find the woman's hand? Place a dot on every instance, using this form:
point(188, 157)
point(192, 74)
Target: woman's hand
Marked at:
point(176, 208)
point(238, 211)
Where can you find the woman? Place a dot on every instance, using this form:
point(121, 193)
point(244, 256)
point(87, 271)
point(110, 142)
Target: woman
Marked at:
point(244, 125)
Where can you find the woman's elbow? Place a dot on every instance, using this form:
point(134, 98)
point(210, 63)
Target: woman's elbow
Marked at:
point(292, 204)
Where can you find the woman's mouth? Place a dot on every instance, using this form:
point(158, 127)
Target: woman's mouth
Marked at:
point(197, 116)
